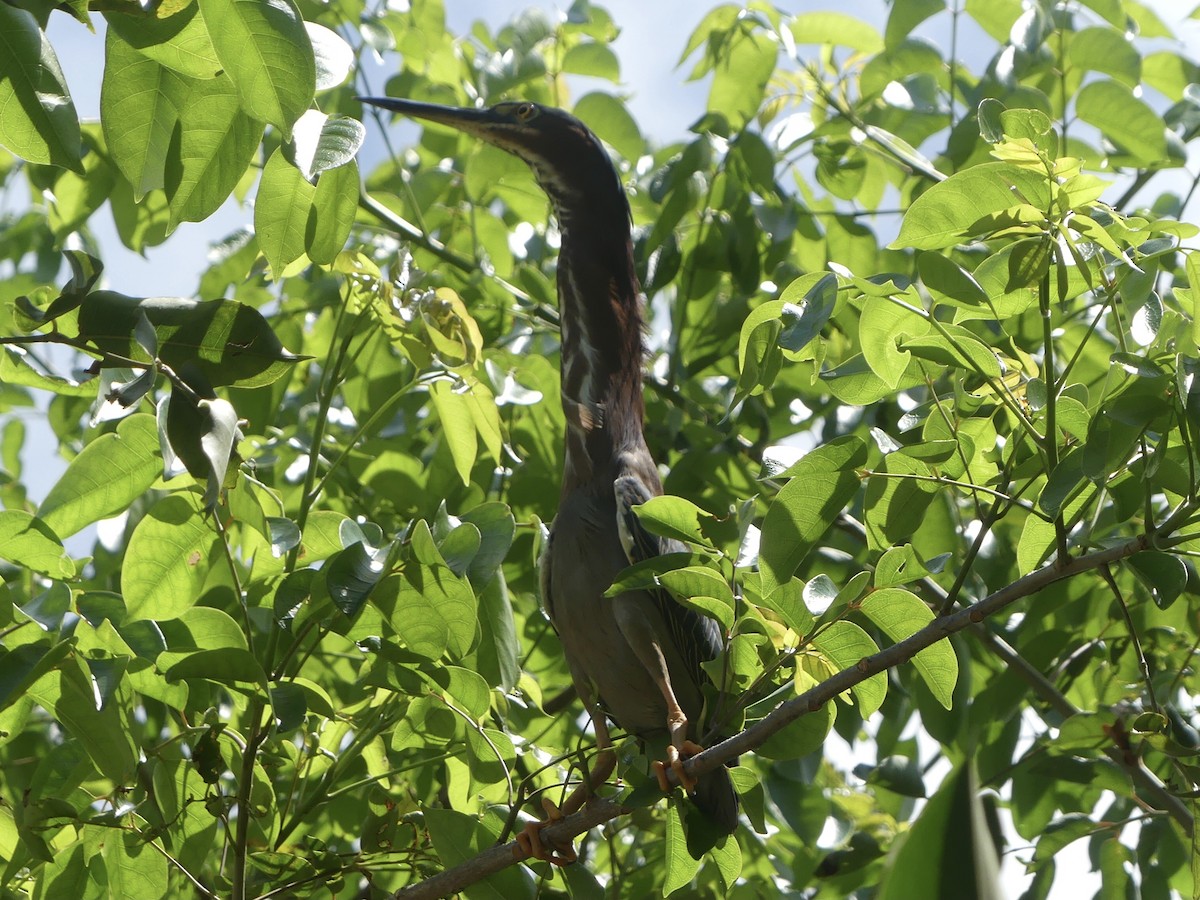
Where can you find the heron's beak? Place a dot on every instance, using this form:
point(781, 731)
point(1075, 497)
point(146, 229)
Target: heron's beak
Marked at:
point(474, 122)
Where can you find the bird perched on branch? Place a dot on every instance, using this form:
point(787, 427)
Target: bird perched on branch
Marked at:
point(635, 656)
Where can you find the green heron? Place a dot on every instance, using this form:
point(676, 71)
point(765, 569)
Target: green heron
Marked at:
point(635, 656)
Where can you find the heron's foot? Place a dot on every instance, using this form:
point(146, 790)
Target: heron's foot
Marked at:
point(675, 761)
point(531, 845)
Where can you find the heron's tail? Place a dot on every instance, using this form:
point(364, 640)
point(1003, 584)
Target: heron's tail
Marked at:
point(717, 800)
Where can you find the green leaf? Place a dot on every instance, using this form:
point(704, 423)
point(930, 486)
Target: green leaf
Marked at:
point(332, 215)
point(108, 474)
point(431, 609)
point(898, 495)
point(265, 50)
point(38, 120)
point(821, 485)
point(950, 850)
point(944, 214)
point(232, 344)
point(24, 665)
point(167, 559)
point(458, 426)
point(281, 213)
point(900, 614)
point(30, 542)
point(841, 30)
point(844, 644)
point(351, 575)
point(1106, 50)
point(334, 58)
point(179, 41)
point(320, 142)
point(610, 119)
point(106, 734)
point(15, 369)
point(499, 650)
point(594, 59)
point(681, 867)
point(496, 530)
point(1124, 119)
point(674, 517)
point(227, 665)
point(949, 282)
point(1163, 574)
point(743, 68)
point(140, 101)
point(882, 326)
point(215, 145)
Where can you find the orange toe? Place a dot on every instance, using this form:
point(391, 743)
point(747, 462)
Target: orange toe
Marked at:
point(530, 843)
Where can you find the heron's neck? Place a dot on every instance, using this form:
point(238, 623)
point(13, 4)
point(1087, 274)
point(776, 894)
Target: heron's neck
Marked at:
point(602, 352)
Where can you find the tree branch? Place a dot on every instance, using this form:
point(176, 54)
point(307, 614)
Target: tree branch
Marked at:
point(599, 811)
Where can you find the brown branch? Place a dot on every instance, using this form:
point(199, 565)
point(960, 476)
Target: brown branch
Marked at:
point(599, 811)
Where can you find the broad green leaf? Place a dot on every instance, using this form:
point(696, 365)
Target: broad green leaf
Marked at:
point(840, 29)
point(334, 58)
point(593, 59)
point(1163, 574)
point(496, 530)
point(332, 215)
point(610, 119)
point(740, 76)
point(432, 610)
point(69, 694)
point(499, 650)
point(882, 327)
point(458, 427)
point(950, 850)
point(696, 581)
point(265, 50)
point(216, 143)
point(15, 369)
point(820, 486)
point(281, 213)
point(179, 41)
point(898, 494)
point(133, 867)
point(37, 118)
point(167, 559)
point(232, 344)
point(943, 215)
point(227, 665)
point(140, 101)
point(808, 305)
point(900, 614)
point(109, 474)
point(1106, 50)
point(207, 628)
point(905, 17)
point(320, 142)
point(1124, 119)
point(24, 665)
point(351, 575)
point(845, 645)
point(681, 867)
point(949, 282)
point(30, 542)
point(674, 517)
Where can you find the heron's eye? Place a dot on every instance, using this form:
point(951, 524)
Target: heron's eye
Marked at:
point(526, 111)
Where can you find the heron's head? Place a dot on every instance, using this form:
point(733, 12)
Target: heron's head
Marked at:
point(567, 159)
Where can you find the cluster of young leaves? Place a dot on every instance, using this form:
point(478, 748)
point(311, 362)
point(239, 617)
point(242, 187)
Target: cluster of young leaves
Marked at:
point(305, 654)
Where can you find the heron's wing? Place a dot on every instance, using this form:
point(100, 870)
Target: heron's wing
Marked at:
point(697, 638)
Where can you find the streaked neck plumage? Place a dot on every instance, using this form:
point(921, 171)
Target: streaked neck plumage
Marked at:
point(601, 321)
